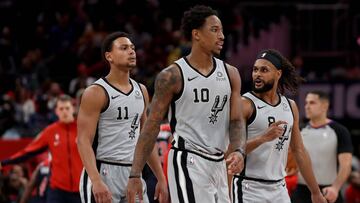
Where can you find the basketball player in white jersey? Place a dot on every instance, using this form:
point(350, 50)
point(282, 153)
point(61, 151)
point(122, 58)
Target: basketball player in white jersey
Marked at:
point(272, 126)
point(111, 115)
point(202, 95)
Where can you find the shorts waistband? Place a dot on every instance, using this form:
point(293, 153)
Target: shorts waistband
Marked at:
point(116, 163)
point(259, 179)
point(179, 145)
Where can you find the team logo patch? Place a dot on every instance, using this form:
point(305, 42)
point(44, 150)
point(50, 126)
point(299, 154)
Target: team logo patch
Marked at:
point(216, 108)
point(282, 139)
point(134, 126)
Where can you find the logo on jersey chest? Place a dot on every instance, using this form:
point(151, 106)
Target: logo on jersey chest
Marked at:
point(285, 136)
point(56, 139)
point(285, 107)
point(220, 76)
point(216, 108)
point(134, 126)
point(138, 94)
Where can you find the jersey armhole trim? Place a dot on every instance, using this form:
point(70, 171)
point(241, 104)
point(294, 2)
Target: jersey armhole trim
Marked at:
point(179, 95)
point(253, 114)
point(141, 90)
point(292, 111)
point(108, 98)
point(227, 73)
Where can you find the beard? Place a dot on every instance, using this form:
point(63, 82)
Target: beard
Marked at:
point(265, 88)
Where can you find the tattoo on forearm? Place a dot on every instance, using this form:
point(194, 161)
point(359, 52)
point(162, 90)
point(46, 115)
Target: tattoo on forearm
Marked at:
point(145, 145)
point(165, 85)
point(237, 135)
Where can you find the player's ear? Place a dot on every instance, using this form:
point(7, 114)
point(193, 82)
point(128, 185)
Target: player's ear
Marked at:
point(279, 73)
point(108, 56)
point(195, 34)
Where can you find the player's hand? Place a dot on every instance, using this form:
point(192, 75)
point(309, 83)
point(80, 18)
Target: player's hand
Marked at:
point(161, 192)
point(318, 198)
point(330, 193)
point(134, 188)
point(235, 163)
point(274, 131)
point(101, 192)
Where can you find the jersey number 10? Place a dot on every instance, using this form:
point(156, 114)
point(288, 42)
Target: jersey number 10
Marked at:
point(204, 95)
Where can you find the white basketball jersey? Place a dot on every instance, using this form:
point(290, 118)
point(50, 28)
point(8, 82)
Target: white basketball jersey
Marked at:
point(268, 161)
point(119, 124)
point(201, 113)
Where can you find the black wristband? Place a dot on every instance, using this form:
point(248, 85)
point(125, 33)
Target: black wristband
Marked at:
point(241, 151)
point(134, 176)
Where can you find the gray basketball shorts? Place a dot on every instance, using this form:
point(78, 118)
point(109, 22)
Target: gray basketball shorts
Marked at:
point(115, 177)
point(193, 178)
point(250, 191)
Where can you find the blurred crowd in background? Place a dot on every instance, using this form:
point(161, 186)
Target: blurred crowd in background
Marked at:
point(52, 47)
point(48, 48)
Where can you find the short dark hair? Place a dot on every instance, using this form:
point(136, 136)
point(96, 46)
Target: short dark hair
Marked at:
point(194, 18)
point(290, 80)
point(63, 98)
point(108, 42)
point(322, 95)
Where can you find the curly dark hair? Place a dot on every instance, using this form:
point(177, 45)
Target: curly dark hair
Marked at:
point(194, 18)
point(290, 79)
point(108, 42)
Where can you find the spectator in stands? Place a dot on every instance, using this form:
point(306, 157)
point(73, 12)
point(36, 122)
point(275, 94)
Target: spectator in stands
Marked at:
point(35, 189)
point(7, 113)
point(2, 195)
point(59, 138)
point(352, 193)
point(329, 146)
point(15, 184)
point(81, 81)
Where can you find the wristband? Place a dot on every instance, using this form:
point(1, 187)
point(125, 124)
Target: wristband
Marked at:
point(241, 151)
point(134, 176)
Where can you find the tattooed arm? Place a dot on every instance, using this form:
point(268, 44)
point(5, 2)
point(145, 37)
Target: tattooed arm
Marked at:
point(167, 84)
point(237, 133)
point(161, 191)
